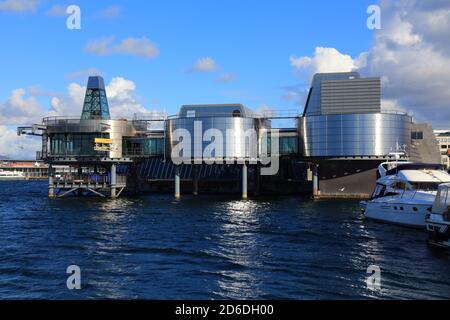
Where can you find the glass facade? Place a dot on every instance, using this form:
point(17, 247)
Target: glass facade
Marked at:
point(143, 146)
point(288, 145)
point(80, 144)
point(95, 105)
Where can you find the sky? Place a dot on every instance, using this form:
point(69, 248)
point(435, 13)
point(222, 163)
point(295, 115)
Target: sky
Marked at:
point(159, 55)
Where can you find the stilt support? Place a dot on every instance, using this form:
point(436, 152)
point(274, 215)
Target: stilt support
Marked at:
point(51, 186)
point(315, 181)
point(177, 182)
point(244, 181)
point(258, 179)
point(113, 181)
point(195, 180)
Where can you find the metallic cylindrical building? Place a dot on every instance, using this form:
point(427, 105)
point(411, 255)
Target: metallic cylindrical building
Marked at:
point(215, 133)
point(349, 135)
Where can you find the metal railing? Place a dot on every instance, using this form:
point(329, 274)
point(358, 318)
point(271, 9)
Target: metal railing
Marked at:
point(142, 152)
point(100, 179)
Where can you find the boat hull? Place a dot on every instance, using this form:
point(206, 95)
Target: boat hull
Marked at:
point(438, 232)
point(12, 178)
point(404, 214)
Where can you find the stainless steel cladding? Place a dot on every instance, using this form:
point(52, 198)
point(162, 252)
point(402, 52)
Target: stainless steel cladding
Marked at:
point(204, 130)
point(72, 135)
point(347, 135)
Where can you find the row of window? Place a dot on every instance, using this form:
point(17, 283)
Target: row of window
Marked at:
point(74, 144)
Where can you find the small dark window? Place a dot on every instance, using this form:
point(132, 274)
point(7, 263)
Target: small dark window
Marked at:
point(415, 209)
point(236, 113)
point(401, 208)
point(395, 208)
point(417, 135)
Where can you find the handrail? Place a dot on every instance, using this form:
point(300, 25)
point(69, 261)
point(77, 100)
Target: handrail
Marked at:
point(315, 114)
point(76, 119)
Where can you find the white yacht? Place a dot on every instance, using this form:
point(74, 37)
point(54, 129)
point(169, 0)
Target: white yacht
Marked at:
point(438, 221)
point(11, 175)
point(405, 192)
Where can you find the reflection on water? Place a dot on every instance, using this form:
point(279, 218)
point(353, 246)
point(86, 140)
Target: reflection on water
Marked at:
point(238, 243)
point(207, 248)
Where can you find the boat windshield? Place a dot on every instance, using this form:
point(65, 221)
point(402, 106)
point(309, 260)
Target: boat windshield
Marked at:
point(425, 186)
point(442, 202)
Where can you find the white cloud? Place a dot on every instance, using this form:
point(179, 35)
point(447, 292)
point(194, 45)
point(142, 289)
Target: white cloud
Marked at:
point(69, 104)
point(57, 11)
point(82, 74)
point(225, 78)
point(19, 108)
point(295, 94)
point(265, 111)
point(141, 47)
point(22, 108)
point(122, 98)
point(19, 5)
point(204, 65)
point(99, 47)
point(111, 12)
point(15, 147)
point(326, 60)
point(411, 54)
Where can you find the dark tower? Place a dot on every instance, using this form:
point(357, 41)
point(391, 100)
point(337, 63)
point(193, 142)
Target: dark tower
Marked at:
point(95, 101)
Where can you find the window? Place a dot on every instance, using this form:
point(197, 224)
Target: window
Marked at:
point(288, 145)
point(425, 186)
point(190, 113)
point(399, 185)
point(236, 113)
point(417, 135)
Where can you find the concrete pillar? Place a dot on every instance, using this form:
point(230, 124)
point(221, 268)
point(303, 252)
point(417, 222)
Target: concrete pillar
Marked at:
point(113, 180)
point(244, 181)
point(177, 182)
point(315, 181)
point(51, 186)
point(195, 180)
point(258, 179)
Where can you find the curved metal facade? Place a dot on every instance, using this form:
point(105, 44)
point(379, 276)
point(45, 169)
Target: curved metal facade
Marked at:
point(75, 137)
point(347, 135)
point(238, 146)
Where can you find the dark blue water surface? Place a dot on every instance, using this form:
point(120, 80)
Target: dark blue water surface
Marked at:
point(209, 247)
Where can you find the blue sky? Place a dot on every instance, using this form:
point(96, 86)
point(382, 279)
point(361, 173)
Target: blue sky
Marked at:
point(250, 39)
point(159, 55)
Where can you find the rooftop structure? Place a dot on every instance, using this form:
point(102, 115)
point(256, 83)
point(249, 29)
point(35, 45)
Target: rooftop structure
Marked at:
point(95, 105)
point(343, 93)
point(343, 118)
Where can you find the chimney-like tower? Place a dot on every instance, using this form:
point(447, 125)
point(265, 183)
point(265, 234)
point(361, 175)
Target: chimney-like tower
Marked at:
point(95, 101)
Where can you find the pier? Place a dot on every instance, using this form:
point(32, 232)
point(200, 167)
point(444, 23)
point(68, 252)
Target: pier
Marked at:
point(329, 152)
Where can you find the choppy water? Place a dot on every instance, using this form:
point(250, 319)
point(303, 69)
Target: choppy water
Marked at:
point(153, 247)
